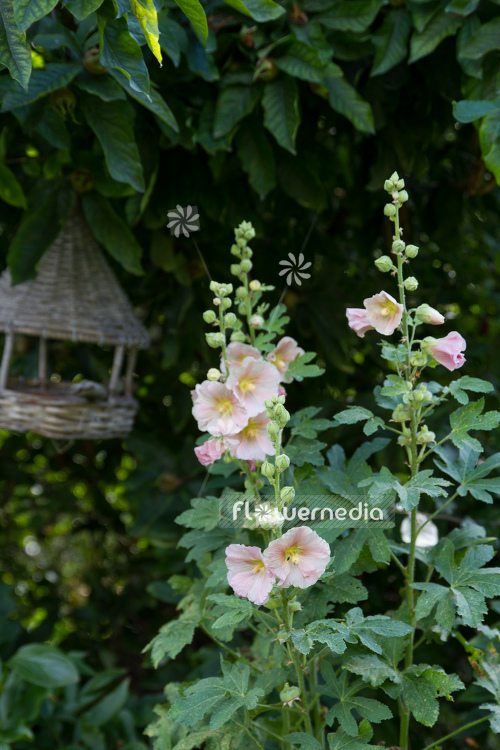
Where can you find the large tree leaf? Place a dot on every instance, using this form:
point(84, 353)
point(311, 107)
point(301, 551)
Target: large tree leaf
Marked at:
point(259, 10)
point(152, 101)
point(344, 98)
point(29, 11)
point(15, 53)
point(424, 42)
point(120, 50)
point(43, 82)
point(486, 39)
point(256, 156)
point(83, 8)
point(10, 190)
point(195, 12)
point(302, 61)
point(38, 229)
point(234, 103)
point(350, 15)
point(112, 232)
point(390, 41)
point(112, 122)
point(147, 16)
point(44, 665)
point(281, 110)
point(105, 87)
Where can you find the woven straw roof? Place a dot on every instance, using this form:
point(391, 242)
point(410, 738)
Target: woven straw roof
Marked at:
point(75, 296)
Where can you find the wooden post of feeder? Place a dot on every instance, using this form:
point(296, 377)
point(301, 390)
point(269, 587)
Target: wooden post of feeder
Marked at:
point(42, 362)
point(116, 369)
point(129, 373)
point(6, 357)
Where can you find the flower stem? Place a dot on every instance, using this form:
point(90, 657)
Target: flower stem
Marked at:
point(458, 731)
point(298, 670)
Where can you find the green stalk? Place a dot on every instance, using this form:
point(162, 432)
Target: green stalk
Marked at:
point(413, 460)
point(458, 731)
point(298, 670)
point(249, 309)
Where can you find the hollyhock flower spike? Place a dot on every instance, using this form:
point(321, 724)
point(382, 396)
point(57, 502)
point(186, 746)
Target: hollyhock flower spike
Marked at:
point(236, 353)
point(286, 351)
point(252, 383)
point(252, 443)
point(298, 558)
point(217, 410)
point(448, 350)
point(383, 312)
point(248, 574)
point(358, 320)
point(210, 451)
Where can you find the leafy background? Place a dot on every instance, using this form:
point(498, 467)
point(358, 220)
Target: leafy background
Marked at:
point(290, 117)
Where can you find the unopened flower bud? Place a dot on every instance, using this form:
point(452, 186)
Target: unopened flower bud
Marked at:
point(282, 462)
point(213, 374)
point(389, 210)
point(229, 320)
point(255, 285)
point(394, 177)
point(400, 414)
point(418, 396)
point(241, 242)
point(238, 336)
point(418, 359)
point(384, 264)
point(427, 314)
point(281, 399)
point(403, 440)
point(214, 340)
point(411, 251)
point(410, 283)
point(215, 286)
point(268, 403)
point(246, 265)
point(209, 316)
point(235, 269)
point(272, 520)
point(426, 436)
point(241, 293)
point(289, 693)
point(389, 186)
point(294, 606)
point(403, 196)
point(267, 469)
point(279, 410)
point(256, 321)
point(235, 250)
point(287, 495)
point(242, 308)
point(273, 430)
point(225, 303)
point(400, 184)
point(398, 246)
point(274, 601)
point(246, 252)
point(216, 301)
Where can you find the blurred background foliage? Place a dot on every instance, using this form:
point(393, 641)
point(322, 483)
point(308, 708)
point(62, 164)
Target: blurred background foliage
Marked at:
point(290, 119)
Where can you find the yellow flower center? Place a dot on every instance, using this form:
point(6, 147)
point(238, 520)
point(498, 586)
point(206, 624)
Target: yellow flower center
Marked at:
point(293, 555)
point(259, 564)
point(246, 385)
point(278, 362)
point(225, 405)
point(389, 309)
point(250, 430)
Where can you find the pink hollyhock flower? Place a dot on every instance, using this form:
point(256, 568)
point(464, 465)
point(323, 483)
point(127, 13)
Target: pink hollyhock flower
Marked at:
point(383, 313)
point(281, 391)
point(285, 352)
point(217, 410)
point(236, 353)
point(210, 451)
point(448, 351)
point(252, 443)
point(358, 321)
point(248, 575)
point(252, 383)
point(252, 465)
point(298, 558)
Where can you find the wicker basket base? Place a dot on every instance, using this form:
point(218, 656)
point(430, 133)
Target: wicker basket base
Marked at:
point(56, 413)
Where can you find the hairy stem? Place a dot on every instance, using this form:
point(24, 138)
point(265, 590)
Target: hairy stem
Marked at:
point(299, 671)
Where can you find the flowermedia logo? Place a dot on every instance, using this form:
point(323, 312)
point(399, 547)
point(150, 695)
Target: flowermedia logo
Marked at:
point(183, 220)
point(295, 269)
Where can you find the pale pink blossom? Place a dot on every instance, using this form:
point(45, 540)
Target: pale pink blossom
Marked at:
point(281, 391)
point(298, 558)
point(217, 410)
point(210, 451)
point(358, 320)
point(252, 443)
point(448, 350)
point(286, 351)
point(236, 353)
point(252, 383)
point(383, 312)
point(248, 575)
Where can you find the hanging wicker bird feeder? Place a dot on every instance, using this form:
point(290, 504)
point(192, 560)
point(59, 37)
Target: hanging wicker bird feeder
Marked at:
point(75, 297)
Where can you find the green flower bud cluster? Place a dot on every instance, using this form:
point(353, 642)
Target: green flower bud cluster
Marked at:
point(240, 249)
point(394, 183)
point(421, 394)
point(419, 359)
point(215, 340)
point(221, 290)
point(400, 414)
point(410, 283)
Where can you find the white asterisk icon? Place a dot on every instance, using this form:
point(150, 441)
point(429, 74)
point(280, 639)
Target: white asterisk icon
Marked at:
point(295, 269)
point(183, 220)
